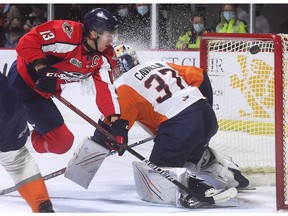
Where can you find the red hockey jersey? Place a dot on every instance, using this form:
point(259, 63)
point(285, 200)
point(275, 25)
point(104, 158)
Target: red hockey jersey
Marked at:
point(60, 43)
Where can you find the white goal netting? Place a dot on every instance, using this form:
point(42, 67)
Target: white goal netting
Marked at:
point(245, 70)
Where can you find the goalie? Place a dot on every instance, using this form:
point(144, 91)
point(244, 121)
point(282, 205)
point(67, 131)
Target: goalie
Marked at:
point(165, 99)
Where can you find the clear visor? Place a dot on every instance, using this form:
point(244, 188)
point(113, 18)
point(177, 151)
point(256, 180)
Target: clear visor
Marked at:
point(110, 37)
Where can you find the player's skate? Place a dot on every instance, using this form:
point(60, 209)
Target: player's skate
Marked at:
point(46, 207)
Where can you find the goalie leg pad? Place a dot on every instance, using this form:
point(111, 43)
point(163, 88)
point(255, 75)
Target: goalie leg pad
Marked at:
point(85, 162)
point(214, 171)
point(153, 187)
point(232, 167)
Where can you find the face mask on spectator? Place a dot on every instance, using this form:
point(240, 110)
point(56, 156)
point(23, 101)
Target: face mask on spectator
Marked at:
point(142, 10)
point(123, 12)
point(198, 27)
point(228, 15)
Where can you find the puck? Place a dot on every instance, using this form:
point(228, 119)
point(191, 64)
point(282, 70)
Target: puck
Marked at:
point(254, 49)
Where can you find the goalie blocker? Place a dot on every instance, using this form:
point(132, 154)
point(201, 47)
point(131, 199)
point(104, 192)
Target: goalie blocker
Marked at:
point(152, 187)
point(85, 162)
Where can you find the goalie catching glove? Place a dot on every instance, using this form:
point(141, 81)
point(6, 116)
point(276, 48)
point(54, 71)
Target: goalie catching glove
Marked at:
point(47, 82)
point(119, 129)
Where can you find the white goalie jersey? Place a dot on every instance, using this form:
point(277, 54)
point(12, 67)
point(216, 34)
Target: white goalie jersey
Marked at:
point(157, 92)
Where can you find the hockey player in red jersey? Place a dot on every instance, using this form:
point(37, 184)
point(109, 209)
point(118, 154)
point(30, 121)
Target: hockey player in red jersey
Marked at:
point(14, 156)
point(59, 52)
point(167, 100)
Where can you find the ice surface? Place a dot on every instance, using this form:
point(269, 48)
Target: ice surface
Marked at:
point(112, 190)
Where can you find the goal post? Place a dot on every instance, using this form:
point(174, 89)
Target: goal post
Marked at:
point(248, 73)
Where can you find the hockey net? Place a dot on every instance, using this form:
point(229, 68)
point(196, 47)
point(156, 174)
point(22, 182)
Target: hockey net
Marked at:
point(248, 73)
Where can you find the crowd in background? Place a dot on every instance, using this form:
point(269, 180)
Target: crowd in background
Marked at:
point(179, 26)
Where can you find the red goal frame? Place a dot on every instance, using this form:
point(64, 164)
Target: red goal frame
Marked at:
point(278, 86)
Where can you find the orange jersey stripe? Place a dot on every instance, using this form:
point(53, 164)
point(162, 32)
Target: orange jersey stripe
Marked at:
point(192, 75)
point(135, 107)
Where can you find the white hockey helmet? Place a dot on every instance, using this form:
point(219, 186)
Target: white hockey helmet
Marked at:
point(127, 58)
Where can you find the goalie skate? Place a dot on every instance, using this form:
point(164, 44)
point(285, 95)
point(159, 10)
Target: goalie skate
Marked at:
point(218, 170)
point(210, 194)
point(188, 201)
point(244, 183)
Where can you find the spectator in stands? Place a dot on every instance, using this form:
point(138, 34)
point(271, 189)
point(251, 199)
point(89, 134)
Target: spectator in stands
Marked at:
point(229, 22)
point(261, 23)
point(191, 39)
point(10, 11)
point(14, 32)
point(36, 17)
point(38, 21)
point(125, 29)
point(242, 12)
point(2, 29)
point(2, 16)
point(142, 27)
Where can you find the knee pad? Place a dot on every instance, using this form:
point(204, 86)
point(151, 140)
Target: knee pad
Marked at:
point(57, 141)
point(26, 175)
point(20, 165)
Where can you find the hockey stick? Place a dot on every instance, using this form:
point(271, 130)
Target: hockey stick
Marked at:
point(46, 177)
point(192, 199)
point(62, 171)
point(85, 117)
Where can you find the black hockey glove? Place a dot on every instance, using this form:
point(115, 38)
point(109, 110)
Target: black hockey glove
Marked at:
point(100, 138)
point(47, 82)
point(120, 131)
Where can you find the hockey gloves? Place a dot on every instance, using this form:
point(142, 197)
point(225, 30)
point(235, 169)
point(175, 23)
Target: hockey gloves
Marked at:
point(100, 138)
point(47, 82)
point(119, 129)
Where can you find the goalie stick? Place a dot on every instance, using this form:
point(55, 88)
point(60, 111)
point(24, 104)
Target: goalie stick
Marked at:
point(190, 198)
point(62, 171)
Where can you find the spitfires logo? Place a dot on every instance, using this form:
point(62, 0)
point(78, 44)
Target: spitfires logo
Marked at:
point(68, 29)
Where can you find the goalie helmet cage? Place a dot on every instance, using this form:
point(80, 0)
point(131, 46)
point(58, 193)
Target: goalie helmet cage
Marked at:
point(248, 73)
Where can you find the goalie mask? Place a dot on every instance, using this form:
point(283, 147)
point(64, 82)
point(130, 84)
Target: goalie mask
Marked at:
point(127, 59)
